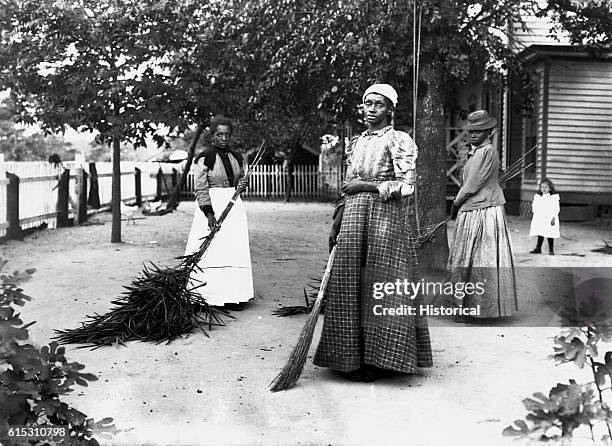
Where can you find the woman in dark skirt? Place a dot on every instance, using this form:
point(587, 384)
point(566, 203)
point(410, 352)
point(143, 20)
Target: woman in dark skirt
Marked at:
point(374, 247)
point(481, 251)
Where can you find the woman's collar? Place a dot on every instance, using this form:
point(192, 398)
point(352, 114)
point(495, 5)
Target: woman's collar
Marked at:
point(219, 149)
point(378, 132)
point(473, 148)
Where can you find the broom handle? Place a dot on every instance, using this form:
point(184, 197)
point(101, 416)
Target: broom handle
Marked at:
point(217, 227)
point(242, 185)
point(292, 370)
point(325, 279)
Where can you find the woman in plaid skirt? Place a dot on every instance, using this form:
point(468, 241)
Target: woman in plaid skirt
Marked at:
point(364, 336)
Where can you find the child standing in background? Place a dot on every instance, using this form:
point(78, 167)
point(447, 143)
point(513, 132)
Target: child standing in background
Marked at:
point(545, 220)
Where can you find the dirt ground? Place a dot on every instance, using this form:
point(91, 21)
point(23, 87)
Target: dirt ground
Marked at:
point(213, 391)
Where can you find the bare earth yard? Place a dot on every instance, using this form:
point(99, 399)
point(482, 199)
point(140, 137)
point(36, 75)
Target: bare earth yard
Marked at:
point(213, 391)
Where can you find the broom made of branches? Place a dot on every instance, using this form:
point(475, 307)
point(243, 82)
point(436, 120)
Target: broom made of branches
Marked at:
point(161, 304)
point(516, 168)
point(292, 370)
point(289, 375)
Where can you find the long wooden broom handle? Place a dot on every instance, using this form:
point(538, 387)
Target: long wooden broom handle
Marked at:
point(327, 274)
point(242, 185)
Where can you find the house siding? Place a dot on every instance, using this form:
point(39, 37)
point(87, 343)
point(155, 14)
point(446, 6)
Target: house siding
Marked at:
point(579, 142)
point(536, 32)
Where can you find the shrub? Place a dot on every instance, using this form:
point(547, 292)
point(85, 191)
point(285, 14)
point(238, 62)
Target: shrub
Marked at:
point(32, 379)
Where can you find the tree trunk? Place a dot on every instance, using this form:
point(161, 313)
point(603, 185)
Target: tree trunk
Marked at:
point(175, 198)
point(431, 167)
point(116, 192)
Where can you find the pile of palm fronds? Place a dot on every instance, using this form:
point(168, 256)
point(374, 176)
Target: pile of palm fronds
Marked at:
point(162, 304)
point(292, 310)
point(158, 306)
point(606, 249)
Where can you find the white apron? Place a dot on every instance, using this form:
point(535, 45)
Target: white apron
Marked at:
point(226, 265)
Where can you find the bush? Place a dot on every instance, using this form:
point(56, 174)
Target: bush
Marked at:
point(555, 417)
point(32, 379)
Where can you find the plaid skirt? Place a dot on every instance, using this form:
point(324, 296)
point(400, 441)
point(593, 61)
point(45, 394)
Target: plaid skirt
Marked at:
point(375, 246)
point(482, 253)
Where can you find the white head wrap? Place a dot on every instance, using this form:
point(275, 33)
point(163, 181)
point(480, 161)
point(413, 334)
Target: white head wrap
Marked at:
point(384, 89)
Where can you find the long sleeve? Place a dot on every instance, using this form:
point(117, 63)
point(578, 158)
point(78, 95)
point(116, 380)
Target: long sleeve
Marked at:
point(404, 153)
point(555, 205)
point(201, 188)
point(481, 165)
point(535, 204)
point(348, 151)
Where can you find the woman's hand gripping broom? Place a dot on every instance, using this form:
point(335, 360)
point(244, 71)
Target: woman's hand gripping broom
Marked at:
point(193, 259)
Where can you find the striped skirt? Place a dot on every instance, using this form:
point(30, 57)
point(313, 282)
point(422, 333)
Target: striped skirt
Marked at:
point(375, 246)
point(481, 252)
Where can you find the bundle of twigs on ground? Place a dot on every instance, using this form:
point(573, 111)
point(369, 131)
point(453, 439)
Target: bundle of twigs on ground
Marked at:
point(160, 305)
point(292, 310)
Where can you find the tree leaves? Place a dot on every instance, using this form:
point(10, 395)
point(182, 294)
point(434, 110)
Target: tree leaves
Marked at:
point(550, 418)
point(568, 407)
point(570, 348)
point(34, 379)
point(588, 24)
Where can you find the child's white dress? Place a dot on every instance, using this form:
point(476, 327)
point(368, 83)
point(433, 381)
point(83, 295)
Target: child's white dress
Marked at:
point(545, 208)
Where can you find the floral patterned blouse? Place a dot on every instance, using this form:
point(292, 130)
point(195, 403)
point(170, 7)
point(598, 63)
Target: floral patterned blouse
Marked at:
point(386, 156)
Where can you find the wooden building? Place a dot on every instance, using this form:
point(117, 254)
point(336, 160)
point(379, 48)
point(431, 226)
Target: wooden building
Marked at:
point(569, 122)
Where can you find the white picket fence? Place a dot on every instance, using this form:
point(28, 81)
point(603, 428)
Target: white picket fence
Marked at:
point(270, 181)
point(38, 191)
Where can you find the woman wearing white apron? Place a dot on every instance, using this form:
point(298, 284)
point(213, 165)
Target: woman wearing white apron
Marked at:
point(226, 265)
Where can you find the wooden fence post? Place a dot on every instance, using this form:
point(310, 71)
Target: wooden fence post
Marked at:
point(174, 178)
point(138, 186)
point(160, 179)
point(12, 207)
point(93, 200)
point(81, 210)
point(63, 196)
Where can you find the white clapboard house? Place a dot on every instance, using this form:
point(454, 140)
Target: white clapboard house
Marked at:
point(570, 123)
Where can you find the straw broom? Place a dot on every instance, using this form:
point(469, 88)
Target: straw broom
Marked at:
point(159, 305)
point(289, 375)
point(292, 370)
